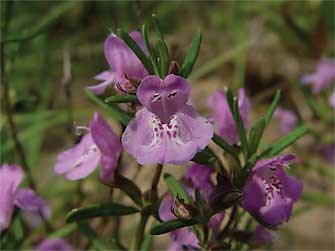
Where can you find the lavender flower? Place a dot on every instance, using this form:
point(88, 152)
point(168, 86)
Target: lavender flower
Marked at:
point(196, 177)
point(56, 244)
point(26, 199)
point(222, 115)
point(100, 145)
point(288, 120)
point(166, 129)
point(323, 76)
point(270, 192)
point(126, 68)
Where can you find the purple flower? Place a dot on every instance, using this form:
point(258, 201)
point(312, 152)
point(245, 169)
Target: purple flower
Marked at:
point(197, 176)
point(323, 76)
point(332, 99)
point(262, 236)
point(34, 207)
point(26, 199)
point(222, 115)
point(56, 244)
point(270, 192)
point(166, 129)
point(100, 145)
point(288, 120)
point(126, 68)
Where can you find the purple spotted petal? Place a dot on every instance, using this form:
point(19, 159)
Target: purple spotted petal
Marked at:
point(265, 166)
point(56, 244)
point(149, 140)
point(33, 205)
point(223, 117)
point(323, 76)
point(10, 178)
point(79, 161)
point(254, 197)
point(122, 59)
point(163, 97)
point(288, 120)
point(109, 145)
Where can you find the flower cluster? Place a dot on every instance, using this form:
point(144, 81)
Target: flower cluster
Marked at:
point(166, 129)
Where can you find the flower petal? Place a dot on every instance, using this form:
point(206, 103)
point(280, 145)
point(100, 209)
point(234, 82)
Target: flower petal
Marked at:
point(109, 145)
point(164, 211)
point(30, 202)
point(108, 78)
point(265, 167)
point(79, 161)
point(292, 186)
point(122, 59)
point(277, 211)
point(56, 244)
point(10, 178)
point(288, 120)
point(150, 141)
point(223, 117)
point(254, 197)
point(163, 97)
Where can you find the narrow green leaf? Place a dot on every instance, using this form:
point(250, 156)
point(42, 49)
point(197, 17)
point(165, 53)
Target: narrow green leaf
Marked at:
point(129, 188)
point(191, 55)
point(92, 236)
point(226, 147)
point(64, 231)
point(123, 117)
point(171, 225)
point(137, 50)
point(240, 128)
point(150, 50)
point(272, 107)
point(176, 188)
point(284, 142)
point(255, 135)
point(108, 209)
point(164, 58)
point(121, 99)
point(205, 157)
point(157, 27)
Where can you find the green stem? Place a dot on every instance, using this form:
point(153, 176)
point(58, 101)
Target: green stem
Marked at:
point(139, 232)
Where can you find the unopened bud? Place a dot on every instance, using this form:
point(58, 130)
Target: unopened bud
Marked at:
point(174, 68)
point(220, 200)
point(182, 210)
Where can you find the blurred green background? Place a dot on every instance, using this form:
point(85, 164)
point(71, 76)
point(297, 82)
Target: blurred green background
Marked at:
point(55, 48)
